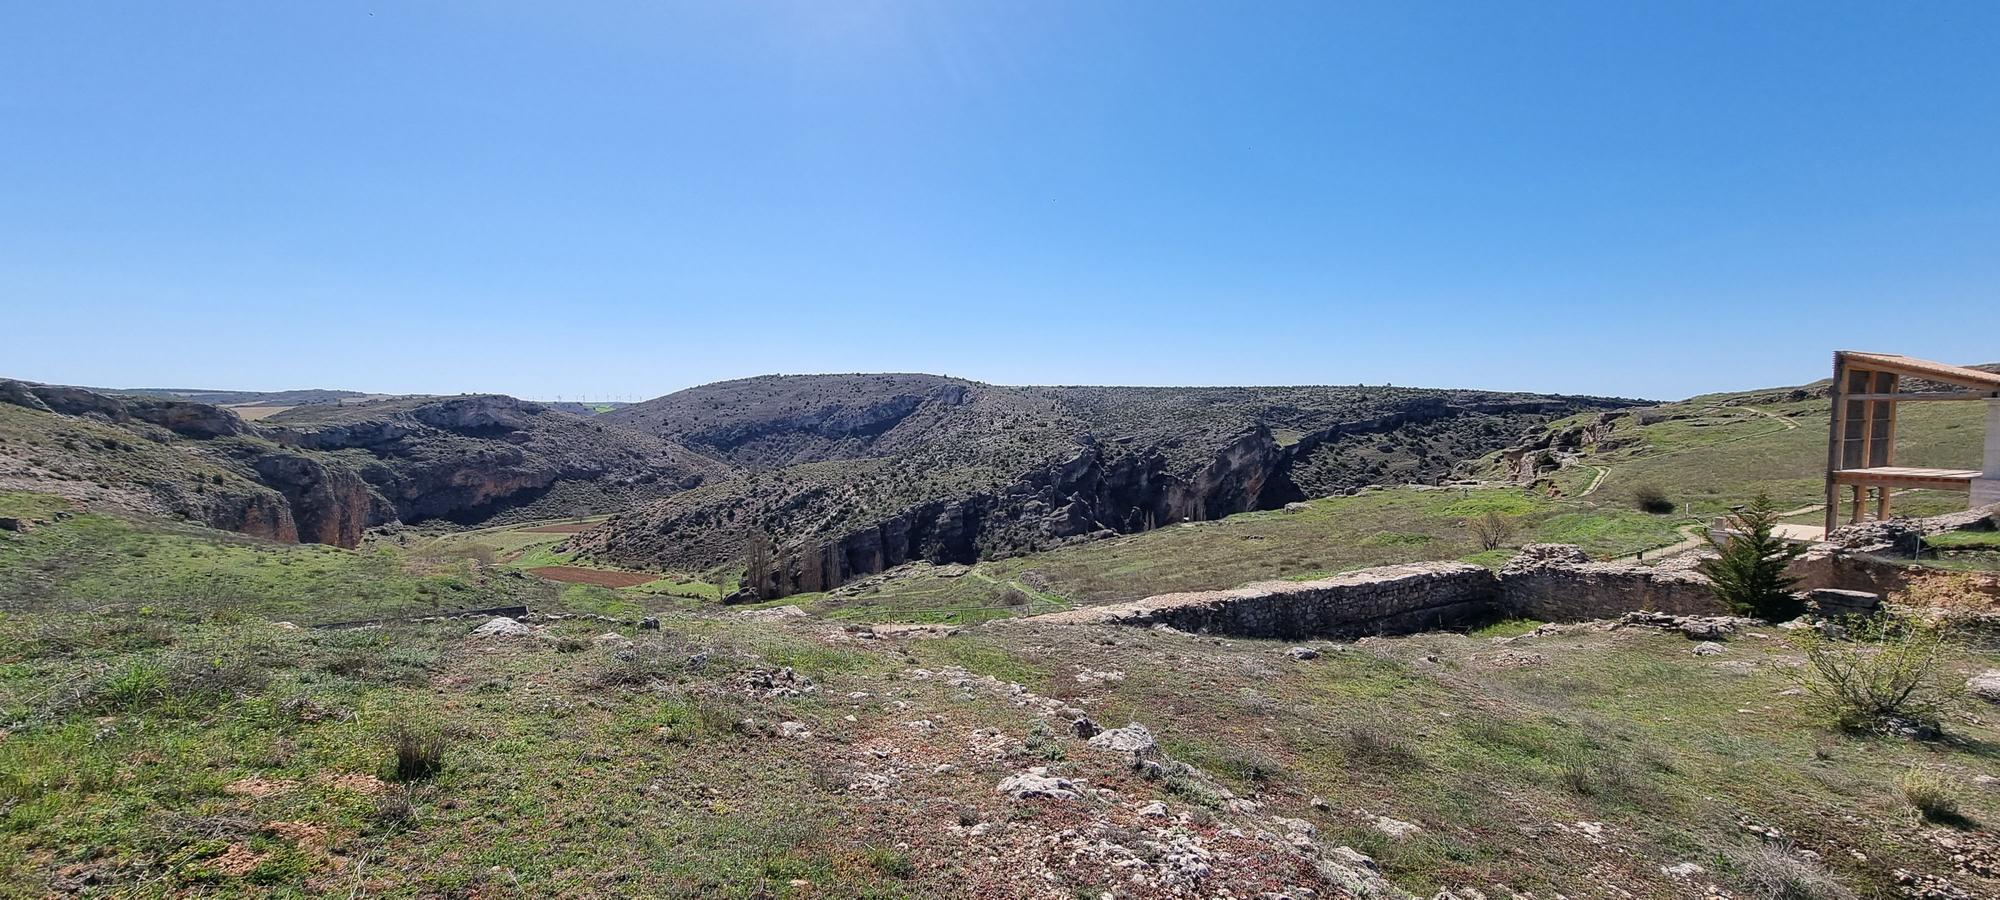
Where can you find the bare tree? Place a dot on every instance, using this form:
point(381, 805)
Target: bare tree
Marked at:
point(1491, 529)
point(757, 564)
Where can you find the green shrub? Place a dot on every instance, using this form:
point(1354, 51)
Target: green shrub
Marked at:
point(890, 863)
point(1653, 499)
point(1891, 674)
point(1042, 741)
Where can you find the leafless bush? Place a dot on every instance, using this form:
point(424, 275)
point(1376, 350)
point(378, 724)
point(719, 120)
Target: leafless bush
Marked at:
point(1491, 529)
point(395, 809)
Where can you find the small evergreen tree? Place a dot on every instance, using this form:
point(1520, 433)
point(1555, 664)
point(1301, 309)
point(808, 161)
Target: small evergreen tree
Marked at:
point(1749, 575)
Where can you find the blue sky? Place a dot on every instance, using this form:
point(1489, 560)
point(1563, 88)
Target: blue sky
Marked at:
point(567, 199)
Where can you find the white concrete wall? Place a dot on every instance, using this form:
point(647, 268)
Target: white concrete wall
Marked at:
point(1987, 490)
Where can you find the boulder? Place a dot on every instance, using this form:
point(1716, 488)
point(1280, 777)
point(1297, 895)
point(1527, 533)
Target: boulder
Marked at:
point(1709, 648)
point(1396, 828)
point(501, 626)
point(1985, 686)
point(1302, 653)
point(1037, 782)
point(1133, 738)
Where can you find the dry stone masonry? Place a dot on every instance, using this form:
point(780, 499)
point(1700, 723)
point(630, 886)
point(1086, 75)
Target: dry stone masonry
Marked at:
point(1548, 581)
point(1371, 601)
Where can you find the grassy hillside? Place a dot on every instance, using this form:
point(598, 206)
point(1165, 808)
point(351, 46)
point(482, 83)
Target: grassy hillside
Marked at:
point(1712, 455)
point(950, 470)
point(158, 739)
point(1706, 455)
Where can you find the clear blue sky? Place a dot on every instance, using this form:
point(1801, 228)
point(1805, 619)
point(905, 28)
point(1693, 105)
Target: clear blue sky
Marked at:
point(624, 199)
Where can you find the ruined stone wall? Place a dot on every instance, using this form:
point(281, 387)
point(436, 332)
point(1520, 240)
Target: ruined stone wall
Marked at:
point(1578, 592)
point(1551, 582)
point(1384, 600)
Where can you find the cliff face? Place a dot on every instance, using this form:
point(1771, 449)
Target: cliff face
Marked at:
point(1001, 471)
point(328, 473)
point(467, 459)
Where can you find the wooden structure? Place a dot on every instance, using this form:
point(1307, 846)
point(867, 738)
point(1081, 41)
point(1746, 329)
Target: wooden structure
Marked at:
point(1861, 441)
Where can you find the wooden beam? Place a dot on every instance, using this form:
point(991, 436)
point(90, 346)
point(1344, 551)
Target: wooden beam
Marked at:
point(1868, 381)
point(1924, 395)
point(1885, 419)
point(1859, 491)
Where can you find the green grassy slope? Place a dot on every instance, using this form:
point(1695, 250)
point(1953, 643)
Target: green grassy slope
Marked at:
point(1706, 455)
point(158, 739)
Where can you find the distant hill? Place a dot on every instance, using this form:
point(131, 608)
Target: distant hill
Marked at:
point(851, 474)
point(326, 472)
point(240, 398)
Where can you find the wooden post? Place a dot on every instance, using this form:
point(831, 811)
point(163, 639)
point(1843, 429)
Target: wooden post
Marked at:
point(1882, 504)
point(1890, 384)
point(1860, 498)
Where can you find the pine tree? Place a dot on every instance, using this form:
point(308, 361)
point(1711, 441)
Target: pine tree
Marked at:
point(1749, 575)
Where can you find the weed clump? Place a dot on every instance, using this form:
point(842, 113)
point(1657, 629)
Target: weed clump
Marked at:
point(1777, 872)
point(1370, 745)
point(419, 751)
point(1933, 793)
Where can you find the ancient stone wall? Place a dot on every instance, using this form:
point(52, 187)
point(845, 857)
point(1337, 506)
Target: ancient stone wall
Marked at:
point(1550, 582)
point(1557, 583)
point(1384, 600)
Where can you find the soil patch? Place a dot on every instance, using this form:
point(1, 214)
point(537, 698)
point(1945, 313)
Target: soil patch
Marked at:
point(602, 577)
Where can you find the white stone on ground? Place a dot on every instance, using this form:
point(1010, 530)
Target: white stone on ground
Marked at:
point(1133, 738)
point(1037, 782)
point(1985, 685)
point(501, 626)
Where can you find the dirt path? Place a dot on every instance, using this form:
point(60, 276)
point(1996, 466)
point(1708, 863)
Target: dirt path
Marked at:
point(600, 577)
point(1783, 420)
point(1692, 538)
point(1603, 472)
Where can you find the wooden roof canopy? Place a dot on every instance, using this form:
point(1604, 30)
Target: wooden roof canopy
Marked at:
point(1984, 383)
point(1861, 442)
